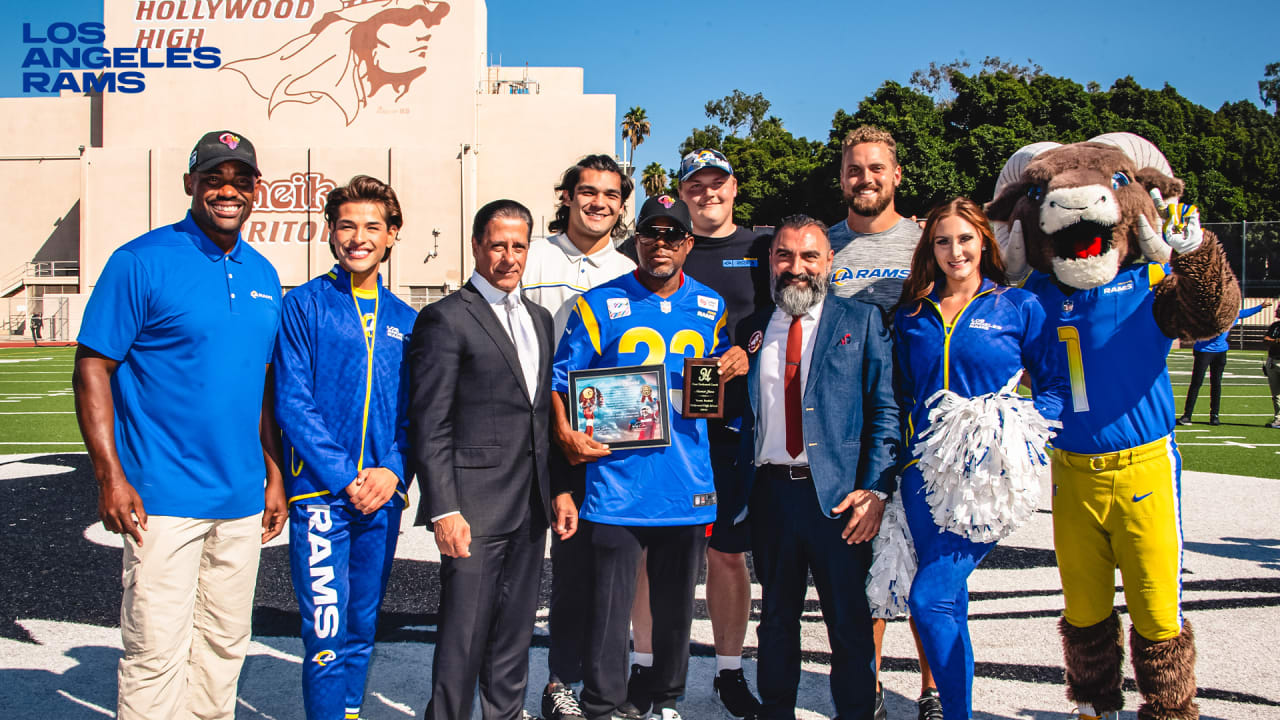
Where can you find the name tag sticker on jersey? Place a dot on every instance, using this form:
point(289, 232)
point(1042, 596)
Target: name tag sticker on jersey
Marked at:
point(1124, 287)
point(708, 303)
point(980, 324)
point(619, 307)
point(704, 499)
point(741, 263)
point(394, 333)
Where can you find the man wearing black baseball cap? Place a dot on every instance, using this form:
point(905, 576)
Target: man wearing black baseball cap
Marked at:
point(733, 261)
point(654, 503)
point(181, 326)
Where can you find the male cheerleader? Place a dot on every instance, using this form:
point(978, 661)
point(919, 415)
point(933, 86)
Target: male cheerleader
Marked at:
point(342, 400)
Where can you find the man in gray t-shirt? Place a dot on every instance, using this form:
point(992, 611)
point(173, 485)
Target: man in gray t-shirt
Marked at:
point(873, 247)
point(871, 266)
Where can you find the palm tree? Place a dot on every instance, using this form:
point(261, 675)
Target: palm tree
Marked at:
point(654, 179)
point(635, 128)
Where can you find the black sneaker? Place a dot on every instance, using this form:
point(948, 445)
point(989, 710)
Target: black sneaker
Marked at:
point(732, 688)
point(628, 711)
point(639, 694)
point(930, 706)
point(1184, 420)
point(559, 703)
point(1213, 420)
point(881, 713)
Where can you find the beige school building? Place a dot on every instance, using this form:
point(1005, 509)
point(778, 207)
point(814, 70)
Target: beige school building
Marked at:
point(326, 89)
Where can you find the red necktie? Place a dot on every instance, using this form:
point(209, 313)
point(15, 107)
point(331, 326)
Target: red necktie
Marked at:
point(791, 388)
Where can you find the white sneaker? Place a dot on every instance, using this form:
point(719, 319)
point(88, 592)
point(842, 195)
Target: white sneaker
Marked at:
point(671, 714)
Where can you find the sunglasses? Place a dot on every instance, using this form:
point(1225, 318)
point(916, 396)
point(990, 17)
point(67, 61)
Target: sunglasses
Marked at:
point(669, 235)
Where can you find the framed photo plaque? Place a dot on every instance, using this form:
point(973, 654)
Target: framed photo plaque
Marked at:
point(623, 407)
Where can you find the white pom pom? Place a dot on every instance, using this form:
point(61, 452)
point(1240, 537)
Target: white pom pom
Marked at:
point(982, 460)
point(893, 564)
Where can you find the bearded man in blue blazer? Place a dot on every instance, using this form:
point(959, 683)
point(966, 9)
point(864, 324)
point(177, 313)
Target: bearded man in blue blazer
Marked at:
point(820, 442)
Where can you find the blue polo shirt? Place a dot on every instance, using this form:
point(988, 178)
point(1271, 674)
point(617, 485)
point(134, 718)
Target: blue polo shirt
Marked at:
point(193, 329)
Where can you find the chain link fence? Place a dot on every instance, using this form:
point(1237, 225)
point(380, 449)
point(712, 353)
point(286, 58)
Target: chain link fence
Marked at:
point(29, 319)
point(1253, 249)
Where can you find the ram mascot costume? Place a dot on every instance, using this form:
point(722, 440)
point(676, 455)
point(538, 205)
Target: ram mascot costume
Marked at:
point(1122, 269)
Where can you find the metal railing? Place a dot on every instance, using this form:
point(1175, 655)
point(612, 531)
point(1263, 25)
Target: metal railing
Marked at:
point(53, 268)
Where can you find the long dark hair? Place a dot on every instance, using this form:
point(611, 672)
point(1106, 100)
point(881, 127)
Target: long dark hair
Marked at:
point(924, 266)
point(569, 181)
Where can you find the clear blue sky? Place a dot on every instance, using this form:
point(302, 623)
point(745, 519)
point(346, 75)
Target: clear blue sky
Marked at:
point(811, 58)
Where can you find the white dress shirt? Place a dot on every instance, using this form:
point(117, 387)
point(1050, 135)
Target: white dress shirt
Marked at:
point(771, 426)
point(499, 302)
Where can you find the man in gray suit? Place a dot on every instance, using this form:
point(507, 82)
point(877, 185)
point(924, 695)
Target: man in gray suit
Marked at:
point(480, 394)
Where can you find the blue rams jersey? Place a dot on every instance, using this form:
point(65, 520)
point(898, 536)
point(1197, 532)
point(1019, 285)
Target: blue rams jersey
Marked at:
point(997, 334)
point(342, 392)
point(622, 323)
point(1115, 354)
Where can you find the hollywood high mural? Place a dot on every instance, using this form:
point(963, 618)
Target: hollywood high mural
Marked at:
point(326, 89)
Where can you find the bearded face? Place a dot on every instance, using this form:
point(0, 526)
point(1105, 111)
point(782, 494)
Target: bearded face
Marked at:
point(869, 177)
point(795, 293)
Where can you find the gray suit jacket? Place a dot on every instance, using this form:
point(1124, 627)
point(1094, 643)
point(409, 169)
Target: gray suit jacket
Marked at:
point(479, 441)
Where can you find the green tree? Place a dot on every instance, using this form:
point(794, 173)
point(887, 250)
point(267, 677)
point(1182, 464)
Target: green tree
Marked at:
point(956, 127)
point(739, 110)
point(1269, 86)
point(654, 179)
point(635, 128)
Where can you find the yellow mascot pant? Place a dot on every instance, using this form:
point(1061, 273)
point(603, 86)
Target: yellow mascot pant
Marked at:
point(1122, 510)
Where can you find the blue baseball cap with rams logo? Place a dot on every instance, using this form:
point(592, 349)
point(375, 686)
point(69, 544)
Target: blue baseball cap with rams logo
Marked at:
point(219, 146)
point(702, 159)
point(665, 206)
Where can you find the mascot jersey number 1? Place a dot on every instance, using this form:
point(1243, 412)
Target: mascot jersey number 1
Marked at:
point(1120, 272)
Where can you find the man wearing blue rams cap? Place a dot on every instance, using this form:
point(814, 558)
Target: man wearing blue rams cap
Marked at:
point(173, 399)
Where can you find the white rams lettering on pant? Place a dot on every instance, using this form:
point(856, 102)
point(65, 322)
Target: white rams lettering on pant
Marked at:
point(323, 596)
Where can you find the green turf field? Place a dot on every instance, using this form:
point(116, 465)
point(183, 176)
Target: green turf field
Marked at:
point(37, 411)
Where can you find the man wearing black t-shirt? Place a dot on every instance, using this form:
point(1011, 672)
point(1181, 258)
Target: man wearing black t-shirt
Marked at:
point(733, 261)
point(1272, 367)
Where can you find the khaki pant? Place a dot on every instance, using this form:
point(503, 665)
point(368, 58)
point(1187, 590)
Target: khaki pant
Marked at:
point(185, 616)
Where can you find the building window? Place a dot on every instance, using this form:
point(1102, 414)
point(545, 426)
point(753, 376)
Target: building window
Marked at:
point(422, 295)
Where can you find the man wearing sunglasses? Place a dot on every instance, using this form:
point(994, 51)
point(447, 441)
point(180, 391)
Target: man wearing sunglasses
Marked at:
point(733, 261)
point(658, 501)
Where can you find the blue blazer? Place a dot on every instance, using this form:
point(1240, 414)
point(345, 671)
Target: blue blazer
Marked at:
point(851, 429)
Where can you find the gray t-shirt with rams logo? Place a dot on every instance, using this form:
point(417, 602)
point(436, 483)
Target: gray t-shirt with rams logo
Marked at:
point(871, 267)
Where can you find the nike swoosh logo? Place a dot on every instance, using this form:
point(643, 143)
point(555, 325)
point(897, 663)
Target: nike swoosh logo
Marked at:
point(1140, 498)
